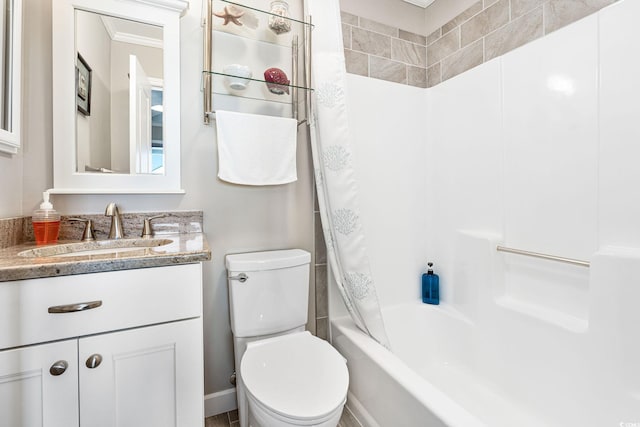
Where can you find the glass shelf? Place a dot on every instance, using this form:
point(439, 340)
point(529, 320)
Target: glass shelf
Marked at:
point(244, 6)
point(253, 79)
point(250, 38)
point(255, 24)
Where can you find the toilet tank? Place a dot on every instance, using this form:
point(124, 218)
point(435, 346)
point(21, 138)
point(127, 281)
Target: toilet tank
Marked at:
point(274, 297)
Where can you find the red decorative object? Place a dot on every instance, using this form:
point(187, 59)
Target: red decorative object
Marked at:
point(277, 81)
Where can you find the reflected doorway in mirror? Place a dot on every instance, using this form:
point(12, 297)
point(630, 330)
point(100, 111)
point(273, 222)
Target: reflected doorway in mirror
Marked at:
point(83, 86)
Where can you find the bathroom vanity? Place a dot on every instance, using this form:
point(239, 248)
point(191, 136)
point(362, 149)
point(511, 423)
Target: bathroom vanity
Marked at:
point(97, 340)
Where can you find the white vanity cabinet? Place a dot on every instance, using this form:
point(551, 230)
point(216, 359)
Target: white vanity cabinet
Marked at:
point(30, 395)
point(134, 360)
point(148, 377)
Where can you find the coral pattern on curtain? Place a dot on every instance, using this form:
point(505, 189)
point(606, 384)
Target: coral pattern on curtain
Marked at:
point(335, 177)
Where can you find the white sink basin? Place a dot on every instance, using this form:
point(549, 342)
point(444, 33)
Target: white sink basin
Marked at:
point(102, 247)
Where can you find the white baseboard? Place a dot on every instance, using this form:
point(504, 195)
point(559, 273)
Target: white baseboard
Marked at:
point(359, 412)
point(220, 402)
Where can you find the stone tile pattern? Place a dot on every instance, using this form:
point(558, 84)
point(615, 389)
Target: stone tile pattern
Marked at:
point(322, 282)
point(376, 50)
point(11, 232)
point(227, 419)
point(178, 222)
point(490, 28)
point(14, 231)
point(485, 30)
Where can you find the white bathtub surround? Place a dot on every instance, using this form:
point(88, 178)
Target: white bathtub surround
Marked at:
point(534, 150)
point(618, 205)
point(482, 363)
point(614, 311)
point(387, 124)
point(535, 154)
point(335, 176)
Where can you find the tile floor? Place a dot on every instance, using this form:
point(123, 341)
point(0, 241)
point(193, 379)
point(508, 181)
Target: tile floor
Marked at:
point(230, 419)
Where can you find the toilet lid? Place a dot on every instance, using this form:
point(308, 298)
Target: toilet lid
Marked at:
point(296, 375)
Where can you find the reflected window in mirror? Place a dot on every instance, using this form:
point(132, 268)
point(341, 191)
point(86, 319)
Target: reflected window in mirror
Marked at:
point(6, 26)
point(157, 141)
point(10, 73)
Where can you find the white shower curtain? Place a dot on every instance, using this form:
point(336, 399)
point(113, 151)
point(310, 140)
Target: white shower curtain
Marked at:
point(335, 178)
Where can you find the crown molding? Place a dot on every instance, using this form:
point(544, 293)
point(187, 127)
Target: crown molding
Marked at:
point(178, 6)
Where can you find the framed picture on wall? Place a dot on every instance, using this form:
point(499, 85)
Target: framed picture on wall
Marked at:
point(83, 86)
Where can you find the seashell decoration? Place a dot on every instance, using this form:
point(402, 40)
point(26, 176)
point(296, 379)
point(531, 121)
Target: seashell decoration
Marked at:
point(278, 21)
point(230, 14)
point(276, 80)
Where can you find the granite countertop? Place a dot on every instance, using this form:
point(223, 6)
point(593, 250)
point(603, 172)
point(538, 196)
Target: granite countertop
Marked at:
point(183, 249)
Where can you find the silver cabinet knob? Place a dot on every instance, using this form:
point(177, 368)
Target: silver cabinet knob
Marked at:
point(58, 368)
point(93, 361)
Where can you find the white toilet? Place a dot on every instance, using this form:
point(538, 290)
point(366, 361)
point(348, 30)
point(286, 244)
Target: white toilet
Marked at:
point(284, 375)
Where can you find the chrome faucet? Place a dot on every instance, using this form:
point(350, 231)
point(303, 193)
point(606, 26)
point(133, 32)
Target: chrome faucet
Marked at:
point(117, 231)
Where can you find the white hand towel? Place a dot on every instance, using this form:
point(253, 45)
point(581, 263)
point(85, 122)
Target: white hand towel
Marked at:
point(255, 149)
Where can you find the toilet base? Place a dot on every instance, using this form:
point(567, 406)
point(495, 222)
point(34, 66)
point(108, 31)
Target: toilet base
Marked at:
point(259, 416)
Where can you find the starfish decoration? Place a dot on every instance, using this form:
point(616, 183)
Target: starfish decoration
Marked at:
point(230, 14)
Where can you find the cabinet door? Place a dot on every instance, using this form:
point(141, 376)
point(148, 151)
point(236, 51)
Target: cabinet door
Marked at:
point(31, 395)
point(150, 376)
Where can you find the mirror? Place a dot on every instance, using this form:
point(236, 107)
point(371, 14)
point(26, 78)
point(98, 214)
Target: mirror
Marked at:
point(10, 72)
point(116, 68)
point(119, 86)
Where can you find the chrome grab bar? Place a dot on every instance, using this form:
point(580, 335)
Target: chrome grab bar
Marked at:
point(72, 308)
point(240, 277)
point(565, 260)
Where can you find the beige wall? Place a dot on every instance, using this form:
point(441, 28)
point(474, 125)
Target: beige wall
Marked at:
point(10, 185)
point(37, 125)
point(93, 43)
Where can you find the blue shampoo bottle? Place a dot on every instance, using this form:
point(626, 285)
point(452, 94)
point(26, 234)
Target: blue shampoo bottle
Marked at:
point(430, 286)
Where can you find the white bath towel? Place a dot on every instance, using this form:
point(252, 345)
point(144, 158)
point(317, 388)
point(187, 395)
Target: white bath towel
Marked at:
point(255, 149)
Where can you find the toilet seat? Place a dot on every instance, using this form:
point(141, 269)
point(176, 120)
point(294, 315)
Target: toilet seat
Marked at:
point(264, 416)
point(297, 377)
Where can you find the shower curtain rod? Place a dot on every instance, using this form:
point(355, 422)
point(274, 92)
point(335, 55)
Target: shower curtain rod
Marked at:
point(543, 256)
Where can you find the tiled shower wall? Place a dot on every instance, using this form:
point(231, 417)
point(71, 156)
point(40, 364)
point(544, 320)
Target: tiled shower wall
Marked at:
point(383, 52)
point(320, 271)
point(487, 29)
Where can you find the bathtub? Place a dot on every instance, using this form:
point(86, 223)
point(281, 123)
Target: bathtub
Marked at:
point(508, 370)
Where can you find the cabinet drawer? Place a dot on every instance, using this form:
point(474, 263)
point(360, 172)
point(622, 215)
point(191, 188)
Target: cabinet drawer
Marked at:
point(128, 298)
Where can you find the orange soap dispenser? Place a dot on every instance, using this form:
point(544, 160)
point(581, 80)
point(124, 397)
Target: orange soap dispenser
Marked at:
point(46, 222)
